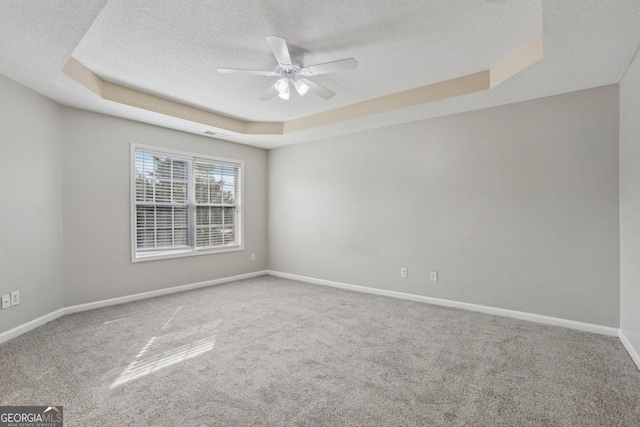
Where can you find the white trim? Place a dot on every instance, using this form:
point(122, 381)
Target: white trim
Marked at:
point(159, 292)
point(26, 327)
point(185, 252)
point(588, 327)
point(604, 330)
point(185, 154)
point(633, 352)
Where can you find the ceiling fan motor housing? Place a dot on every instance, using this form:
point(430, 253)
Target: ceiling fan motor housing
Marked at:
point(293, 71)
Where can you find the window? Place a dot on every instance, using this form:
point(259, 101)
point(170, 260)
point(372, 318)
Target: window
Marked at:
point(184, 204)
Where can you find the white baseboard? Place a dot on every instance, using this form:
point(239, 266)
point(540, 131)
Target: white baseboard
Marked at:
point(26, 327)
point(159, 292)
point(588, 327)
point(633, 352)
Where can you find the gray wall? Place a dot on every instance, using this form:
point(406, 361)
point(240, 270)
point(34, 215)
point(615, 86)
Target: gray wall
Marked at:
point(516, 207)
point(97, 237)
point(630, 204)
point(31, 194)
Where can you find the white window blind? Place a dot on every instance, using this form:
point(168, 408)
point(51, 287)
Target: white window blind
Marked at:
point(216, 208)
point(184, 204)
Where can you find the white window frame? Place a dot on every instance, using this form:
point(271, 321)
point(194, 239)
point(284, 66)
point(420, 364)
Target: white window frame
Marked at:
point(178, 253)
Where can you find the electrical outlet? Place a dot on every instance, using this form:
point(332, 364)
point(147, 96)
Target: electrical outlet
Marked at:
point(434, 276)
point(15, 298)
point(404, 273)
point(6, 301)
point(253, 257)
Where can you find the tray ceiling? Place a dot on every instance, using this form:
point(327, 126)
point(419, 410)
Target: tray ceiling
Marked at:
point(172, 49)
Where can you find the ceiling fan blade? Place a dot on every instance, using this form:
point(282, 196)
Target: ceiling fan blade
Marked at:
point(321, 91)
point(280, 49)
point(248, 72)
point(302, 86)
point(270, 93)
point(330, 67)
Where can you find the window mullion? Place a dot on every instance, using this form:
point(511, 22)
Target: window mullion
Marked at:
point(173, 208)
point(192, 204)
point(236, 219)
point(155, 207)
point(224, 219)
point(210, 177)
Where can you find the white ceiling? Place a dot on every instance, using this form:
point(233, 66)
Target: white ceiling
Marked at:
point(172, 48)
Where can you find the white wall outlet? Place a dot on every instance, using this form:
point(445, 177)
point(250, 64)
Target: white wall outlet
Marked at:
point(434, 276)
point(6, 301)
point(253, 257)
point(15, 298)
point(403, 273)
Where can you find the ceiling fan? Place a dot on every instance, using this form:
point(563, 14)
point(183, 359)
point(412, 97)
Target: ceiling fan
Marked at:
point(292, 72)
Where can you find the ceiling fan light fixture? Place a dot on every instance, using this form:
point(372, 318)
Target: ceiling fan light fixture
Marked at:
point(284, 94)
point(282, 85)
point(301, 86)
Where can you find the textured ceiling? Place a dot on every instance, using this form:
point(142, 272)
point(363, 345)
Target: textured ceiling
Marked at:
point(172, 48)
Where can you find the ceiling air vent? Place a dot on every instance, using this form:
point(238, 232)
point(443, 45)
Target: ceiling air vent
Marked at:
point(212, 133)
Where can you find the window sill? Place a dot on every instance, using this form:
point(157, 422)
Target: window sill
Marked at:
point(154, 256)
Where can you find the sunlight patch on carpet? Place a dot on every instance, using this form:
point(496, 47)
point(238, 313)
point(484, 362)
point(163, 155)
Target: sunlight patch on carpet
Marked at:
point(168, 349)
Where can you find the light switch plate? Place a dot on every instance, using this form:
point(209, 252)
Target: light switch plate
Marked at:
point(6, 301)
point(15, 298)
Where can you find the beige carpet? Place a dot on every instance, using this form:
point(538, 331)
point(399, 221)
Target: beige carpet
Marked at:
point(270, 351)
